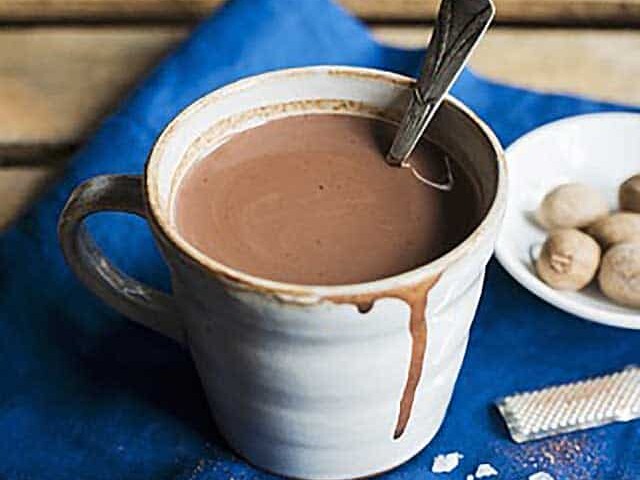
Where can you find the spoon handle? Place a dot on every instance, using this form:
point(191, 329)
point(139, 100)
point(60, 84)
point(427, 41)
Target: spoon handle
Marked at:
point(459, 27)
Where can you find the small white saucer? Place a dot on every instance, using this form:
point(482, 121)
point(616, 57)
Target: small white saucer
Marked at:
point(599, 149)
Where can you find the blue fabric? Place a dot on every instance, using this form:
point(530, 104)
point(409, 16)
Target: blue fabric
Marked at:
point(86, 394)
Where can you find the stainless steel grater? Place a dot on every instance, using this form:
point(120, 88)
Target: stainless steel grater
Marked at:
point(573, 406)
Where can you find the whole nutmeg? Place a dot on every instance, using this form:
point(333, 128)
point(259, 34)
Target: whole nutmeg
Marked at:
point(571, 205)
point(619, 276)
point(629, 194)
point(616, 228)
point(568, 260)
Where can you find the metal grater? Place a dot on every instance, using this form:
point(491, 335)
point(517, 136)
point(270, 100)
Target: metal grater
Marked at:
point(573, 406)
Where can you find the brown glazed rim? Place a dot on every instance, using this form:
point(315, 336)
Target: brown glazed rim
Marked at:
point(298, 293)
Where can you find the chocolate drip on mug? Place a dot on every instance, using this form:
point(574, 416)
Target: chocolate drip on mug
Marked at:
point(416, 297)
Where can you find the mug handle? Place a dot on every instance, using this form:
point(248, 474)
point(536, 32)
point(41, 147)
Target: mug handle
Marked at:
point(141, 303)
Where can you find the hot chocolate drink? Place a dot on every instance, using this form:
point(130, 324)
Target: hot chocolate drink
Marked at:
point(309, 200)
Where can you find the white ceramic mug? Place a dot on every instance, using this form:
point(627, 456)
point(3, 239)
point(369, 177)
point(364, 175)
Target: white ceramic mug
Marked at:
point(318, 382)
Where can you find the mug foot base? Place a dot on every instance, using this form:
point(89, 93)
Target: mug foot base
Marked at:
point(327, 470)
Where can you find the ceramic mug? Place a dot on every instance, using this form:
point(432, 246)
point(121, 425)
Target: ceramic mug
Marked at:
point(318, 382)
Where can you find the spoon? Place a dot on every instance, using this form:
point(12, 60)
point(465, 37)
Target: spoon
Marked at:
point(459, 27)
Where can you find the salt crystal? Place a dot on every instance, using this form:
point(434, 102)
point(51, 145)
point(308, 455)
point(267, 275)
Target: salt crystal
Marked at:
point(485, 470)
point(446, 463)
point(470, 477)
point(541, 476)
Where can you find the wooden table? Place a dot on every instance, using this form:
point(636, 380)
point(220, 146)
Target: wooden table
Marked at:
point(65, 63)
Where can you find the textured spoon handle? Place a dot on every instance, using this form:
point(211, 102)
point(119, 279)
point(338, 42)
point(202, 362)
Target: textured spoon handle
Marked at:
point(459, 27)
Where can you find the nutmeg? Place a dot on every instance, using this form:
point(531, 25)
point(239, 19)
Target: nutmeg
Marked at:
point(629, 194)
point(571, 205)
point(568, 260)
point(619, 276)
point(616, 228)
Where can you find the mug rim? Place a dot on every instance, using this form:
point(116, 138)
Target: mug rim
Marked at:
point(303, 292)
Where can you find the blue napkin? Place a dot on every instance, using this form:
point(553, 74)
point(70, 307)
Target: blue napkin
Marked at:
point(86, 394)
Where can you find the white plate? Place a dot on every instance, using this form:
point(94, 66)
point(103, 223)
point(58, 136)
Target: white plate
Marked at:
point(599, 149)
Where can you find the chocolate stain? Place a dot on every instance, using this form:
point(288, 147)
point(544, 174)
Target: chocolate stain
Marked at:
point(416, 297)
point(365, 307)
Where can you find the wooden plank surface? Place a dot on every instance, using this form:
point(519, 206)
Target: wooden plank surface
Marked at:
point(525, 11)
point(19, 187)
point(57, 82)
point(605, 12)
point(601, 64)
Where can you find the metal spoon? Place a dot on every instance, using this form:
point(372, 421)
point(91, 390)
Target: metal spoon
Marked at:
point(459, 27)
